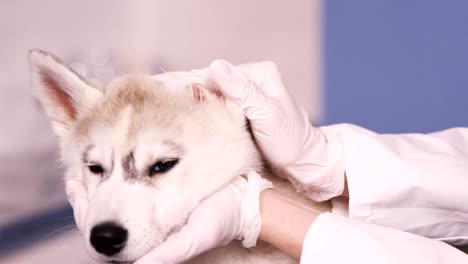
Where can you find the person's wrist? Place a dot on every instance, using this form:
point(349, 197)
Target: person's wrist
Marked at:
point(267, 197)
point(285, 222)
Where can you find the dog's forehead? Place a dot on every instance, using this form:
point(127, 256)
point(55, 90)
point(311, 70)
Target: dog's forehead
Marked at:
point(131, 105)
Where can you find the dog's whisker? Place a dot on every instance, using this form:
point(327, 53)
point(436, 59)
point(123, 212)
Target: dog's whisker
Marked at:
point(62, 230)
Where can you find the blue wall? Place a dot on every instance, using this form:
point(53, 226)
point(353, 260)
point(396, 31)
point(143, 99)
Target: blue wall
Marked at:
point(398, 65)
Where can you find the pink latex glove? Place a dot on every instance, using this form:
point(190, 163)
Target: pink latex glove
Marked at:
point(77, 195)
point(231, 213)
point(309, 157)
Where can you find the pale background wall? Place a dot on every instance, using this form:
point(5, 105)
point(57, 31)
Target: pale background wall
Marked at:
point(141, 34)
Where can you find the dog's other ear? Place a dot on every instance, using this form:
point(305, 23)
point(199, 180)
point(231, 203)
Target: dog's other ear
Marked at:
point(201, 94)
point(63, 93)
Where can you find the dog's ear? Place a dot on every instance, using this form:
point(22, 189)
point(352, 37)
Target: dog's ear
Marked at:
point(201, 94)
point(63, 93)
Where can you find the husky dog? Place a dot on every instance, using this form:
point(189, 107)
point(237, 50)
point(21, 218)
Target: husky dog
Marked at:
point(148, 153)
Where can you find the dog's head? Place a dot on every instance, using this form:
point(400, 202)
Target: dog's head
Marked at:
point(148, 152)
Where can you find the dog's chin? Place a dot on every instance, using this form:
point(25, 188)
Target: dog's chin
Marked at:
point(118, 259)
point(114, 261)
point(104, 260)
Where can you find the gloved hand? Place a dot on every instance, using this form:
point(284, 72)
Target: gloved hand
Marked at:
point(282, 130)
point(78, 198)
point(231, 213)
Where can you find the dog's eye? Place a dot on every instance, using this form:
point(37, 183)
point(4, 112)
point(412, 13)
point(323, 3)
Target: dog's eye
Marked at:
point(96, 169)
point(162, 166)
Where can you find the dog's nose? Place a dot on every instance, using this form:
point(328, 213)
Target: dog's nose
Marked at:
point(108, 238)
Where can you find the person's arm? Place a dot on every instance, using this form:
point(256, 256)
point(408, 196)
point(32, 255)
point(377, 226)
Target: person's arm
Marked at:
point(284, 222)
point(326, 238)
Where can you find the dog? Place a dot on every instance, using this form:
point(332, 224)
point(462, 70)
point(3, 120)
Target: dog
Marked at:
point(149, 150)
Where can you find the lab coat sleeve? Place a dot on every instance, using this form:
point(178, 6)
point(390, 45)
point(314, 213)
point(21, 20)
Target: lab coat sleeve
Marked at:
point(335, 239)
point(411, 182)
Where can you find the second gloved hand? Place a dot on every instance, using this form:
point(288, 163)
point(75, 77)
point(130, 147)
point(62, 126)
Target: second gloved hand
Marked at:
point(231, 213)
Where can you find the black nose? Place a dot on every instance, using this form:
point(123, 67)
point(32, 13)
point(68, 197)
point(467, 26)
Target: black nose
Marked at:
point(108, 238)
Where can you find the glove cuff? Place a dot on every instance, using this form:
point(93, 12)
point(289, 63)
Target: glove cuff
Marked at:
point(320, 173)
point(251, 207)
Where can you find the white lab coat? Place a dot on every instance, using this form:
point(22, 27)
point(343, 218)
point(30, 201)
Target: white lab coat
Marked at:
point(408, 193)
